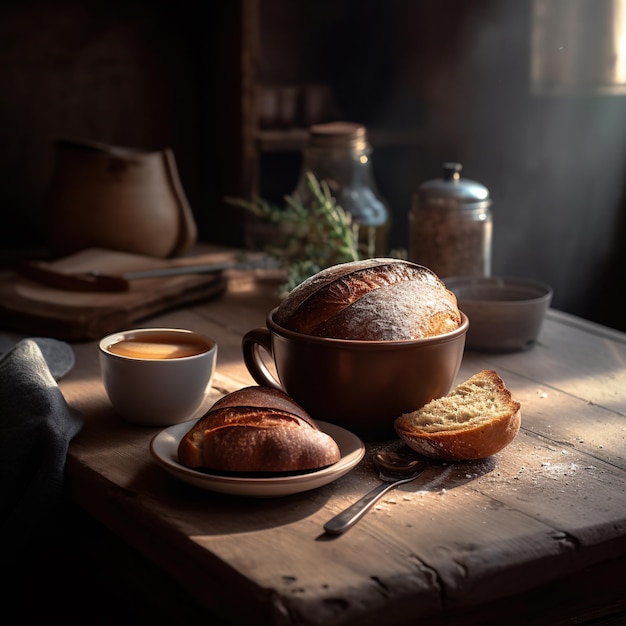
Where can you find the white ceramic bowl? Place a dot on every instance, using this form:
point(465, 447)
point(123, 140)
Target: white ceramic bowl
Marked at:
point(506, 314)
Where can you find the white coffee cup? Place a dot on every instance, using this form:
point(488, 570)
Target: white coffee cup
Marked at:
point(157, 376)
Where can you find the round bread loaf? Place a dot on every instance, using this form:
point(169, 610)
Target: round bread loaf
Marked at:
point(478, 418)
point(371, 300)
point(257, 429)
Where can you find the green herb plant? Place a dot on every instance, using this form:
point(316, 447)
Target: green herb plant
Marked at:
point(310, 238)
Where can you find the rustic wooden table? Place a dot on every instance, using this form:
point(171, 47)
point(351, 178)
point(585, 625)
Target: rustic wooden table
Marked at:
point(534, 535)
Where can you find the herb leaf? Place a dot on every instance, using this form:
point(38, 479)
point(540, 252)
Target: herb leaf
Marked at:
point(310, 238)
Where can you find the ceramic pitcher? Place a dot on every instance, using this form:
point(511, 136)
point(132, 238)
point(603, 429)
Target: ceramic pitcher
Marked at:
point(116, 198)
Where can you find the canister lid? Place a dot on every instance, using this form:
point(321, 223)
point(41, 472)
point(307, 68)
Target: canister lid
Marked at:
point(452, 191)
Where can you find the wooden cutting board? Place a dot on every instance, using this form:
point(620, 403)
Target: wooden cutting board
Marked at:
point(35, 308)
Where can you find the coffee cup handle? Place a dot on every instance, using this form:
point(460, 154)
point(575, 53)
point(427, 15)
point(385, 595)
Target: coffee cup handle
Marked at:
point(251, 345)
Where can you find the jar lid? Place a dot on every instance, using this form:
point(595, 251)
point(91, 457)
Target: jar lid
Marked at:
point(338, 135)
point(452, 191)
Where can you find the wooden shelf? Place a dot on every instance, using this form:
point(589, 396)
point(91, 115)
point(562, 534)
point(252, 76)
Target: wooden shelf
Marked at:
point(281, 140)
point(294, 139)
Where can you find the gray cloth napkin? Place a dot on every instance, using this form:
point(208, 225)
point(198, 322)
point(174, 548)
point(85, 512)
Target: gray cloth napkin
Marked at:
point(36, 427)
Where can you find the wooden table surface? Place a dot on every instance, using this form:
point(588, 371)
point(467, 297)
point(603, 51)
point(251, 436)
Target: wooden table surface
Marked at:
point(535, 534)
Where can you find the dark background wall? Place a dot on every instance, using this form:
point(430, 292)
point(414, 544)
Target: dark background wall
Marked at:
point(456, 73)
point(129, 73)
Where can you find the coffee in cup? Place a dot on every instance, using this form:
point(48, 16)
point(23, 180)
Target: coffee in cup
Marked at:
point(160, 344)
point(157, 376)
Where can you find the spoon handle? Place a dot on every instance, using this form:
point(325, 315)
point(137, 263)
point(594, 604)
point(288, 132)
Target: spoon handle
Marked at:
point(350, 516)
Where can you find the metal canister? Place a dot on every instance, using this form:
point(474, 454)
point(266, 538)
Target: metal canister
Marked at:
point(451, 225)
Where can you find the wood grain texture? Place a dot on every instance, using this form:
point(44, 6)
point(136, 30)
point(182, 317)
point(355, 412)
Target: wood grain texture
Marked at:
point(464, 541)
point(34, 307)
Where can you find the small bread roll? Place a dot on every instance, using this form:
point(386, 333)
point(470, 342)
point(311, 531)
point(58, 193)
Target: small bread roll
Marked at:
point(257, 429)
point(371, 300)
point(475, 420)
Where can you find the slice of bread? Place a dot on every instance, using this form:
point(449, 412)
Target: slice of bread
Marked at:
point(475, 420)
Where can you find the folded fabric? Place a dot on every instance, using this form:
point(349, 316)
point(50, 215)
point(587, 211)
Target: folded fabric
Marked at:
point(36, 427)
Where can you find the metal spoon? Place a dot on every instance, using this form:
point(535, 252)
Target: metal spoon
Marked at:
point(393, 469)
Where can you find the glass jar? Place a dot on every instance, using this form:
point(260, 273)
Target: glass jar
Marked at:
point(450, 225)
point(339, 154)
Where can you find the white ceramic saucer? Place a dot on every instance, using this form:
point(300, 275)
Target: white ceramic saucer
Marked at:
point(164, 449)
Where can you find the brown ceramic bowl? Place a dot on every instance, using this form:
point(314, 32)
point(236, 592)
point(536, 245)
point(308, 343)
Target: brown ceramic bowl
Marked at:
point(359, 385)
point(506, 314)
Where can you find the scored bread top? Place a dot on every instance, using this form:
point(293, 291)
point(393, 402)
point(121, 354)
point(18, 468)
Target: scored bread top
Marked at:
point(268, 442)
point(263, 398)
point(371, 300)
point(257, 429)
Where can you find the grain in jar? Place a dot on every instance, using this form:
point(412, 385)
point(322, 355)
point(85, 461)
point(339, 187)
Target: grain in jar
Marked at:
point(450, 225)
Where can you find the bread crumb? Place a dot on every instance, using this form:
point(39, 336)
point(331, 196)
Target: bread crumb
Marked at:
point(478, 400)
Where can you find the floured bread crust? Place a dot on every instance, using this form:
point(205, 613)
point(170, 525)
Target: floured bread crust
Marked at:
point(371, 300)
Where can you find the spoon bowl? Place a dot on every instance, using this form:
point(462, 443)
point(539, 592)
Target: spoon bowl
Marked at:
point(397, 464)
point(394, 469)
